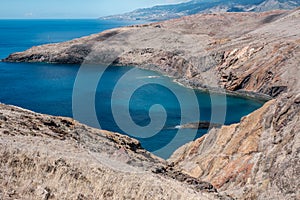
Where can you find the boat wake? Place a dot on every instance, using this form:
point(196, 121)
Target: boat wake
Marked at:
point(148, 77)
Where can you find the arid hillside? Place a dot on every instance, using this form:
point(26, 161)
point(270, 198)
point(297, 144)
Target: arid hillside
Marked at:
point(256, 54)
point(46, 157)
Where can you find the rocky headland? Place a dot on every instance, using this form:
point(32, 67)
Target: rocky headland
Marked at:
point(254, 52)
point(257, 54)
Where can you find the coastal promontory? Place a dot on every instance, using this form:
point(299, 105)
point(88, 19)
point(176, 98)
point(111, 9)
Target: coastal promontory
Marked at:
point(253, 54)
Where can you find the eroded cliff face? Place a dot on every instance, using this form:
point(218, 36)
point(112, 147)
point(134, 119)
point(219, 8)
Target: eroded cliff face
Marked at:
point(255, 159)
point(233, 51)
point(46, 157)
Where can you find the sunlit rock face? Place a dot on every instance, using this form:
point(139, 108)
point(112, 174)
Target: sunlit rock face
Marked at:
point(252, 52)
point(257, 158)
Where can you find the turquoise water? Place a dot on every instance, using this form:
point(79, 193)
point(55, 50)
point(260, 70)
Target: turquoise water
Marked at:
point(48, 88)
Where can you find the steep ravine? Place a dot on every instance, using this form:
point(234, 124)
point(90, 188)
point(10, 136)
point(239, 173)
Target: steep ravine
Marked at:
point(255, 159)
point(253, 53)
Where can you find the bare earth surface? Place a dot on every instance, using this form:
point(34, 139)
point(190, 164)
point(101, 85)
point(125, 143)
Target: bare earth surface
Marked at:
point(253, 53)
point(46, 157)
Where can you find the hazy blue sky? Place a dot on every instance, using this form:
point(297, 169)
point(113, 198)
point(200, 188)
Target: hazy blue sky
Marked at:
point(72, 8)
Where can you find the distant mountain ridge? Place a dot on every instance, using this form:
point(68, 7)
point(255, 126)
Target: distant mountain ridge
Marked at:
point(165, 12)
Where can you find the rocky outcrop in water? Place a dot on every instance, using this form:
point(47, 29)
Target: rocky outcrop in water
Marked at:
point(199, 125)
point(255, 159)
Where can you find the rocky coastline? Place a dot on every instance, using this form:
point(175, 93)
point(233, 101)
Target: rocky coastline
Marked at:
point(222, 56)
point(245, 53)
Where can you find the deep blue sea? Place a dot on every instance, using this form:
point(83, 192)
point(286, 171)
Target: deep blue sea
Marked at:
point(48, 88)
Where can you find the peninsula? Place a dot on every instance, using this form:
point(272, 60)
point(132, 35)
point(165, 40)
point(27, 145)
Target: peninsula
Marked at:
point(257, 54)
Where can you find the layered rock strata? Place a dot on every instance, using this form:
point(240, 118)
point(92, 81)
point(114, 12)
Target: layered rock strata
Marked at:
point(253, 53)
